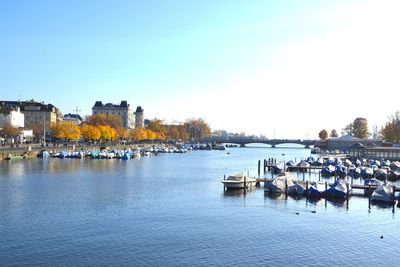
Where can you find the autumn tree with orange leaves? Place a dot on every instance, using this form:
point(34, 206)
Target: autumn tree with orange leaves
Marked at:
point(107, 133)
point(66, 130)
point(90, 133)
point(9, 131)
point(138, 134)
point(113, 121)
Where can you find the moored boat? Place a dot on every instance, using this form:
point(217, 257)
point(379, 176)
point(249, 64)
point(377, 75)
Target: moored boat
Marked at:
point(279, 168)
point(299, 188)
point(328, 171)
point(316, 190)
point(384, 193)
point(280, 183)
point(43, 154)
point(239, 181)
point(339, 189)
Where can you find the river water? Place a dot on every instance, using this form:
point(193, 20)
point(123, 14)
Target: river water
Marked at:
point(171, 210)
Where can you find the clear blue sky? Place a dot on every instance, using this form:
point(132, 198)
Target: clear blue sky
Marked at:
point(241, 65)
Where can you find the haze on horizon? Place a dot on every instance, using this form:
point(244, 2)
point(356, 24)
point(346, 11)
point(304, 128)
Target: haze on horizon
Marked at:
point(280, 68)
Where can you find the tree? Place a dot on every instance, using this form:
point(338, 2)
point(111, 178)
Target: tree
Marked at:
point(349, 129)
point(333, 134)
point(57, 131)
point(123, 133)
point(151, 135)
point(183, 134)
point(391, 131)
point(323, 134)
point(361, 128)
point(173, 133)
point(160, 136)
point(66, 130)
point(72, 131)
point(9, 131)
point(197, 128)
point(105, 132)
point(156, 125)
point(138, 134)
point(113, 121)
point(90, 132)
point(113, 134)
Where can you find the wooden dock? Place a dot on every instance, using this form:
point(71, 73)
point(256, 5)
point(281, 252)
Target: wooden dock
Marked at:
point(353, 186)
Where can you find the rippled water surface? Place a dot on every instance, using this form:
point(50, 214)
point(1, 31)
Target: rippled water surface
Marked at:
point(171, 210)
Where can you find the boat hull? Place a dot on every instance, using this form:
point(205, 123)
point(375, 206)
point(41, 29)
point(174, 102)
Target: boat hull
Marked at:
point(238, 184)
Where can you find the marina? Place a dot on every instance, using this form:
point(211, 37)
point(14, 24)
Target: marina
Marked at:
point(172, 207)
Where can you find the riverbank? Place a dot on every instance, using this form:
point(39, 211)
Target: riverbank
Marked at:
point(7, 153)
point(32, 151)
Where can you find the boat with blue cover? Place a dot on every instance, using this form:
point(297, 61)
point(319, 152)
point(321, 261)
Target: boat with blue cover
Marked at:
point(339, 189)
point(316, 190)
point(328, 171)
point(278, 168)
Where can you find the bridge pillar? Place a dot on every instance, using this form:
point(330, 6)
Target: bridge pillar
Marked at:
point(273, 146)
point(242, 145)
point(307, 146)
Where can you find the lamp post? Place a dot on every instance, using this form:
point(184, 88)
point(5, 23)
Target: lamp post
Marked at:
point(44, 130)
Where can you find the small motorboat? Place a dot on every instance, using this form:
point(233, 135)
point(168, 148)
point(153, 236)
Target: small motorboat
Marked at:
point(341, 170)
point(279, 168)
point(43, 154)
point(303, 166)
point(299, 188)
point(381, 174)
point(239, 181)
point(367, 172)
point(328, 171)
point(384, 193)
point(355, 172)
point(316, 190)
point(126, 156)
point(280, 183)
point(339, 189)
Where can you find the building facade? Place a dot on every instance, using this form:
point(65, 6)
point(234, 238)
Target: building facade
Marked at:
point(37, 116)
point(359, 151)
point(139, 117)
point(122, 110)
point(74, 118)
point(11, 116)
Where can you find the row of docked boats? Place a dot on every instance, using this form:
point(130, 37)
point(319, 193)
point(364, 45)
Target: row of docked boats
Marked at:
point(382, 170)
point(104, 153)
point(285, 183)
point(385, 170)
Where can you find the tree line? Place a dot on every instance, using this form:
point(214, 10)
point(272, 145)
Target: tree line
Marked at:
point(107, 128)
point(390, 132)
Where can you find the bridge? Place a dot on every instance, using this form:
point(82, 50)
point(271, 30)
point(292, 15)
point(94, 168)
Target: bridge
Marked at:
point(243, 141)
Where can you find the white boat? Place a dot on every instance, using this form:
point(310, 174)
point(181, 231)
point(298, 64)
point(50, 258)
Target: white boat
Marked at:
point(239, 181)
point(136, 154)
point(280, 183)
point(384, 193)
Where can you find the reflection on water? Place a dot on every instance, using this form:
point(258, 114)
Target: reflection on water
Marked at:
point(338, 203)
point(171, 210)
point(238, 192)
point(275, 196)
point(382, 205)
